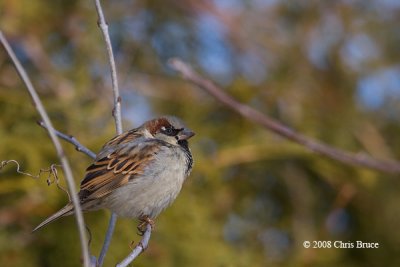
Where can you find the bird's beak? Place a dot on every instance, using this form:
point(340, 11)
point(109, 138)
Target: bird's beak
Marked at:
point(185, 134)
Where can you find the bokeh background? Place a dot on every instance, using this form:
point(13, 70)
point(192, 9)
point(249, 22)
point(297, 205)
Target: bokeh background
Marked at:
point(329, 69)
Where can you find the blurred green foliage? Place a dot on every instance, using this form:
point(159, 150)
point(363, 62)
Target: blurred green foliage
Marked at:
point(326, 68)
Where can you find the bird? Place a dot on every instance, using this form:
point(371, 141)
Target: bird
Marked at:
point(138, 173)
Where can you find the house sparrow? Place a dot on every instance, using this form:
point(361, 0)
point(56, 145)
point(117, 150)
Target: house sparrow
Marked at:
point(138, 173)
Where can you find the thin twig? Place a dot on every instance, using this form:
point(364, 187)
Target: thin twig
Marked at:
point(357, 159)
point(52, 174)
point(116, 113)
point(140, 247)
point(60, 152)
point(52, 171)
point(117, 99)
point(69, 138)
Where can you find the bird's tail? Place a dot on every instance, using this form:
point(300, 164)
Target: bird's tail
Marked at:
point(67, 210)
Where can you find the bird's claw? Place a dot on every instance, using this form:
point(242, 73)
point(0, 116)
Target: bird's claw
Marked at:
point(144, 221)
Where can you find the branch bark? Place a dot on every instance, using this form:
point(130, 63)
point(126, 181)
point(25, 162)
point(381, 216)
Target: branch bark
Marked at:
point(356, 159)
point(60, 152)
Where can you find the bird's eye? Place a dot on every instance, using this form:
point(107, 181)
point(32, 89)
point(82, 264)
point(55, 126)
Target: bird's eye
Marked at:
point(168, 131)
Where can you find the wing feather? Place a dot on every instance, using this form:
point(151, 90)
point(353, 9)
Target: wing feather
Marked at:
point(118, 168)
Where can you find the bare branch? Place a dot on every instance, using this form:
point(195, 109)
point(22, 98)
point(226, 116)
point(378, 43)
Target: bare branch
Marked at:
point(116, 113)
point(356, 159)
point(117, 99)
point(60, 152)
point(69, 138)
point(107, 240)
point(143, 244)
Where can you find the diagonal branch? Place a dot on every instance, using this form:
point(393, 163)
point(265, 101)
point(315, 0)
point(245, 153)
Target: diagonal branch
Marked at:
point(356, 159)
point(60, 152)
point(69, 138)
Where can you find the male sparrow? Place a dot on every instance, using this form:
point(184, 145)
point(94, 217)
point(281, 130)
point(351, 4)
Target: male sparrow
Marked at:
point(138, 173)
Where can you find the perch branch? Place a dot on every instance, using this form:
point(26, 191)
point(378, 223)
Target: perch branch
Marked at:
point(143, 244)
point(107, 240)
point(356, 159)
point(60, 152)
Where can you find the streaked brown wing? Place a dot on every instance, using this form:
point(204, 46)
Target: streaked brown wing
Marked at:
point(117, 168)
